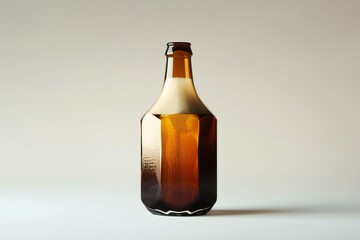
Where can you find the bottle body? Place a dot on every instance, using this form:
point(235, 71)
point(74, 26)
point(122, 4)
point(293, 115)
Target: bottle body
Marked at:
point(178, 147)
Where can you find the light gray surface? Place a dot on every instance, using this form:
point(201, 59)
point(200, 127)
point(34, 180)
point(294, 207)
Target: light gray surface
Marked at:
point(282, 78)
point(89, 212)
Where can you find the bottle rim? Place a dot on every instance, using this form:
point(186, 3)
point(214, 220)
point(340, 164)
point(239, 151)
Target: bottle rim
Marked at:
point(184, 47)
point(179, 43)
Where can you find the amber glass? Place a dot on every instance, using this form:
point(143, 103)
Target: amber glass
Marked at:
point(178, 144)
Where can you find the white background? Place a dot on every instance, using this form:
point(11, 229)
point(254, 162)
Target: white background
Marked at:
point(282, 77)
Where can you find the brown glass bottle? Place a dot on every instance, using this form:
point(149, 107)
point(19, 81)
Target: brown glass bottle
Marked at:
point(178, 144)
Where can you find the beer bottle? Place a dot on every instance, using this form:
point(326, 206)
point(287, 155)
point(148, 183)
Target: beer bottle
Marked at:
point(178, 144)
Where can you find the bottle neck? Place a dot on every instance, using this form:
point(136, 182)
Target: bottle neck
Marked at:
point(178, 67)
point(178, 95)
point(178, 60)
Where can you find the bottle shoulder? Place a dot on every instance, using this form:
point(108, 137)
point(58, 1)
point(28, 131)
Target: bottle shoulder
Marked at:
point(179, 96)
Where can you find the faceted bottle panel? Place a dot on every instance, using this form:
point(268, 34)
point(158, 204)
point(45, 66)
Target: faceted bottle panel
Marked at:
point(178, 163)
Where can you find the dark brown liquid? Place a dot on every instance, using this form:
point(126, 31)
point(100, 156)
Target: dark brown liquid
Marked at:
point(187, 184)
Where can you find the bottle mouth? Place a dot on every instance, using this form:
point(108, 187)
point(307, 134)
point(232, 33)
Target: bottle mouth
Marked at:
point(178, 47)
point(179, 44)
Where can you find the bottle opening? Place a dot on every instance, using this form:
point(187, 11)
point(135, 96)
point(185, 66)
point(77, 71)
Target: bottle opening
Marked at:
point(183, 48)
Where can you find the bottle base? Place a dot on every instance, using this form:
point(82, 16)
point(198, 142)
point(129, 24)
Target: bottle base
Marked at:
point(197, 212)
